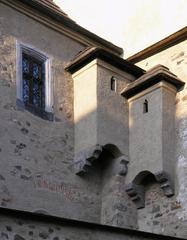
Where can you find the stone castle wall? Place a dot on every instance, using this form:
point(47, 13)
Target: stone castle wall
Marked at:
point(160, 214)
point(20, 226)
point(36, 155)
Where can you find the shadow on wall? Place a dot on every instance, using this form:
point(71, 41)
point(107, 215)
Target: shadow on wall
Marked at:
point(45, 152)
point(108, 164)
point(37, 158)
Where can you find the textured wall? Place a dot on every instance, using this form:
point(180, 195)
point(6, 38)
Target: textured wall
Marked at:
point(37, 172)
point(113, 131)
point(175, 58)
point(85, 107)
point(22, 227)
point(151, 135)
point(112, 107)
point(100, 114)
point(145, 136)
point(164, 215)
point(37, 155)
point(101, 117)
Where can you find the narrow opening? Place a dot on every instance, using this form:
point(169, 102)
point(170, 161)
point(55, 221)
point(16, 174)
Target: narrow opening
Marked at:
point(113, 84)
point(145, 106)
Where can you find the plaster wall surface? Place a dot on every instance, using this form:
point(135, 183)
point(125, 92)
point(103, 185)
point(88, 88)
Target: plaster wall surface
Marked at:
point(37, 155)
point(162, 214)
point(113, 134)
point(112, 107)
point(145, 134)
point(151, 133)
point(100, 114)
point(101, 117)
point(168, 133)
point(85, 107)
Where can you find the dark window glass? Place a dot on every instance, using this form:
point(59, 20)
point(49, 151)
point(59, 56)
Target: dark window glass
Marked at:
point(113, 84)
point(145, 106)
point(33, 82)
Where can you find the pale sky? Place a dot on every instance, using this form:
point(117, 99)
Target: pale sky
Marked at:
point(130, 24)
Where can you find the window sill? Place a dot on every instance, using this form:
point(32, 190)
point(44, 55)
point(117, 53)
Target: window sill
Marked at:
point(35, 111)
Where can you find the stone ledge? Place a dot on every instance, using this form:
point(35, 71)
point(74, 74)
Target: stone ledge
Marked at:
point(76, 224)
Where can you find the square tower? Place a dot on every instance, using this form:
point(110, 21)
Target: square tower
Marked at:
point(151, 101)
point(100, 112)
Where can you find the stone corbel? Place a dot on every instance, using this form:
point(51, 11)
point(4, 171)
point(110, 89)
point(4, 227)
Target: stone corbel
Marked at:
point(165, 183)
point(84, 160)
point(137, 194)
point(137, 191)
point(123, 168)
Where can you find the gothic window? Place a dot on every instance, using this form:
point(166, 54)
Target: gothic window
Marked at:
point(33, 71)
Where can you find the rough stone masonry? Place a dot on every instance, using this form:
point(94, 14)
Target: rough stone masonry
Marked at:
point(94, 159)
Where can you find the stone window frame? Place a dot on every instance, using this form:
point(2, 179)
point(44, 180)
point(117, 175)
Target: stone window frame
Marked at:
point(47, 60)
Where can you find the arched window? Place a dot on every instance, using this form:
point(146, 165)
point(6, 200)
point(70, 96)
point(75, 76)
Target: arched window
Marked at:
point(113, 84)
point(145, 106)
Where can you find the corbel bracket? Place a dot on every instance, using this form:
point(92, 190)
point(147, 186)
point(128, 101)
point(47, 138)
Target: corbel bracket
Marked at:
point(137, 194)
point(84, 160)
point(123, 165)
point(136, 191)
point(165, 183)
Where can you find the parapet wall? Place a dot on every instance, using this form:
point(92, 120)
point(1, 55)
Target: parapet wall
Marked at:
point(16, 225)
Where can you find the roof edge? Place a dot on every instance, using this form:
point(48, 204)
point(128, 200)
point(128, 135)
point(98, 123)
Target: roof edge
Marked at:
point(72, 25)
point(153, 76)
point(163, 44)
point(90, 54)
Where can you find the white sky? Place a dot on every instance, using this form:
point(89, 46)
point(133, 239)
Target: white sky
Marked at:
point(130, 24)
